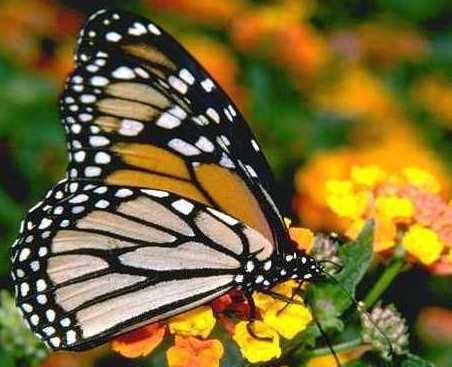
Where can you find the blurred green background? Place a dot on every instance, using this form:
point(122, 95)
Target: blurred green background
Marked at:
point(324, 84)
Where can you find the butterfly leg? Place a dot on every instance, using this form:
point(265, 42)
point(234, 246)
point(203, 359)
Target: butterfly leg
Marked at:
point(252, 319)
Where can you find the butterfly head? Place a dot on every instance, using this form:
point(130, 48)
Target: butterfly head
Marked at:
point(303, 266)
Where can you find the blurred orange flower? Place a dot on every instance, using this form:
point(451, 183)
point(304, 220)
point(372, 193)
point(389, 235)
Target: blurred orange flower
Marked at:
point(216, 13)
point(434, 93)
point(279, 32)
point(189, 352)
point(37, 32)
point(356, 94)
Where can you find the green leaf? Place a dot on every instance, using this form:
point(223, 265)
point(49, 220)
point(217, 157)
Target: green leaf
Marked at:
point(328, 299)
point(412, 360)
point(358, 363)
point(16, 340)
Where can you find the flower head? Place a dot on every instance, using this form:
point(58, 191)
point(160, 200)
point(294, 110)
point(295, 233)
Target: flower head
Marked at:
point(423, 243)
point(190, 351)
point(140, 342)
point(387, 325)
point(407, 208)
point(257, 350)
point(197, 322)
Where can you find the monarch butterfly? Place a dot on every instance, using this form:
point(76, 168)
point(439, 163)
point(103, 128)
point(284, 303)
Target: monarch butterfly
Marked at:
point(167, 201)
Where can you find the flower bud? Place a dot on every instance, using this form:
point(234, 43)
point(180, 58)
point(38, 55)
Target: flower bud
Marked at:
point(325, 249)
point(385, 326)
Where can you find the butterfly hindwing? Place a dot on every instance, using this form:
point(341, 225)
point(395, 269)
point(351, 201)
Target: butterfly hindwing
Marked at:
point(140, 111)
point(94, 261)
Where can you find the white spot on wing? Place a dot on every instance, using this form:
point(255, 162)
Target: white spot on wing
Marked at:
point(178, 84)
point(183, 147)
point(130, 127)
point(207, 85)
point(99, 81)
point(153, 29)
point(123, 72)
point(186, 76)
point(213, 114)
point(168, 121)
point(113, 37)
point(137, 29)
point(205, 144)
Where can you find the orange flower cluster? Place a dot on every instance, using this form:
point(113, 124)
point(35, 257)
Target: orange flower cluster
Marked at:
point(363, 43)
point(215, 13)
point(191, 330)
point(279, 31)
point(407, 208)
point(398, 141)
point(434, 93)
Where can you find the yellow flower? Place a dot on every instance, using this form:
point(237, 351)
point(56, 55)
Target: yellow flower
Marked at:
point(339, 187)
point(385, 233)
point(289, 322)
point(197, 322)
point(189, 352)
point(369, 176)
point(292, 320)
point(421, 179)
point(394, 207)
point(349, 205)
point(257, 350)
point(264, 301)
point(423, 243)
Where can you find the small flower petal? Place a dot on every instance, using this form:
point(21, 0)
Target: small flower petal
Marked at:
point(291, 321)
point(369, 176)
point(139, 342)
point(190, 351)
point(257, 350)
point(303, 237)
point(394, 208)
point(423, 243)
point(349, 205)
point(197, 322)
point(421, 179)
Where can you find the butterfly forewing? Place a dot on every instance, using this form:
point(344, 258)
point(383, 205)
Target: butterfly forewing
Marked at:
point(95, 261)
point(140, 111)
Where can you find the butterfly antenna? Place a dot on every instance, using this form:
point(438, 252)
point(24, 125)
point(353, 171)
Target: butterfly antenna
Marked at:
point(360, 307)
point(327, 340)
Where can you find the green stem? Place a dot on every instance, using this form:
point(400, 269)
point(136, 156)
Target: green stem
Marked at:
point(343, 347)
point(390, 273)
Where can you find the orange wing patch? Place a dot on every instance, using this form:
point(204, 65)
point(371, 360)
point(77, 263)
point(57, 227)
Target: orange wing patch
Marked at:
point(155, 181)
point(232, 195)
point(152, 158)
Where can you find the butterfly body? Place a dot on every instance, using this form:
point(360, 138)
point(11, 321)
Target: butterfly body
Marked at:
point(167, 202)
